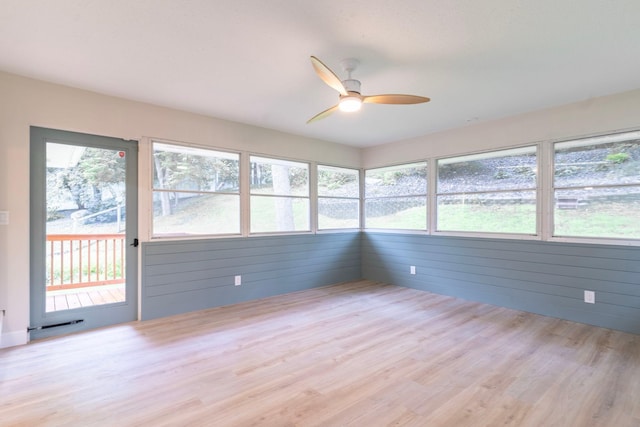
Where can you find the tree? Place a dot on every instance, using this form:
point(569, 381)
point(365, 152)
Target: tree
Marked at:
point(97, 170)
point(183, 171)
point(284, 205)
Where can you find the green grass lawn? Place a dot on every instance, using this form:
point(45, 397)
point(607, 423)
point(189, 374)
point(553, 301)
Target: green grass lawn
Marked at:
point(610, 220)
point(614, 219)
point(205, 214)
point(508, 218)
point(408, 219)
point(265, 210)
point(220, 214)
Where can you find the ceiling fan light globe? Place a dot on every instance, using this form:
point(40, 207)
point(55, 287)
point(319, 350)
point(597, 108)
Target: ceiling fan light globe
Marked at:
point(350, 104)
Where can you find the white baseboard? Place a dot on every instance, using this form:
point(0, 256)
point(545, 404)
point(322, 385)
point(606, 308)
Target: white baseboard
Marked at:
point(10, 339)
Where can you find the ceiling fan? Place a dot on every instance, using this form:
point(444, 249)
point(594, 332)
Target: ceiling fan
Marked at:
point(350, 97)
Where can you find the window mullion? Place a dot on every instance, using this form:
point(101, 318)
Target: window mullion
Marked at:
point(313, 197)
point(245, 196)
point(432, 184)
point(545, 191)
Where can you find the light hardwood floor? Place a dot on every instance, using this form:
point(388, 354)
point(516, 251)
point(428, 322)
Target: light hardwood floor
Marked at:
point(356, 354)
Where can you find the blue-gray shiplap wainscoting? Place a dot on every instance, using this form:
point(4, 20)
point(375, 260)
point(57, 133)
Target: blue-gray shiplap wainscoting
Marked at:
point(547, 278)
point(183, 276)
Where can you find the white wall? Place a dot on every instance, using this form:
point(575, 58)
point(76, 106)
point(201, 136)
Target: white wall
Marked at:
point(594, 116)
point(25, 102)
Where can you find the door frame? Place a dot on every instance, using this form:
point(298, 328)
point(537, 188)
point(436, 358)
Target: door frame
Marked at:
point(82, 318)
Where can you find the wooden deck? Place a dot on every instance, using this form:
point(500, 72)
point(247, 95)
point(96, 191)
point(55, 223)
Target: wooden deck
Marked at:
point(84, 297)
point(355, 354)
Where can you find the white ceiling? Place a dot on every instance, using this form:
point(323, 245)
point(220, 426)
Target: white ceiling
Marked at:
point(248, 60)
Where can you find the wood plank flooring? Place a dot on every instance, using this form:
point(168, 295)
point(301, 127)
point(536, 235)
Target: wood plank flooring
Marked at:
point(354, 354)
point(84, 297)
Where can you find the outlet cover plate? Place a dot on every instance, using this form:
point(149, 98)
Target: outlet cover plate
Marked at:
point(590, 297)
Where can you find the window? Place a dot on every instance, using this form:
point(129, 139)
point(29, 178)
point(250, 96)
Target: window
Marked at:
point(597, 187)
point(396, 197)
point(279, 195)
point(195, 191)
point(338, 198)
point(491, 192)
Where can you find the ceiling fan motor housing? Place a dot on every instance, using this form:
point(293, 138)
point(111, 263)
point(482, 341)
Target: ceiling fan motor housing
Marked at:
point(351, 85)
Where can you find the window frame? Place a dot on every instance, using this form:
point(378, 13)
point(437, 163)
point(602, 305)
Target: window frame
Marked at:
point(537, 149)
point(153, 190)
point(308, 197)
point(317, 198)
point(365, 198)
point(552, 188)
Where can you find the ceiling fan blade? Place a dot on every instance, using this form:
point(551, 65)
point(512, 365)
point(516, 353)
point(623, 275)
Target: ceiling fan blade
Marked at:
point(328, 76)
point(322, 115)
point(395, 99)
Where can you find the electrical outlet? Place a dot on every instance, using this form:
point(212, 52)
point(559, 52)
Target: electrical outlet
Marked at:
point(590, 297)
point(238, 280)
point(4, 217)
point(412, 269)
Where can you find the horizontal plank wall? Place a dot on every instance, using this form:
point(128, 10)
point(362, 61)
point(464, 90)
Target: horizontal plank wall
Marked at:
point(541, 277)
point(182, 276)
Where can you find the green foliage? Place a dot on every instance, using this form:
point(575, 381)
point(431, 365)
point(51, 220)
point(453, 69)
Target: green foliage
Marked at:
point(393, 175)
point(333, 180)
point(452, 170)
point(262, 175)
point(298, 177)
point(185, 171)
point(95, 182)
point(501, 174)
point(618, 158)
point(99, 167)
point(525, 170)
point(177, 170)
point(567, 170)
point(390, 178)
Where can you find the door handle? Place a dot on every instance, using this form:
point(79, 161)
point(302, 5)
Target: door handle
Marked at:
point(135, 243)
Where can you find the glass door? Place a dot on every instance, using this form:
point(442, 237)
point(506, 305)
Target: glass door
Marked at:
point(83, 225)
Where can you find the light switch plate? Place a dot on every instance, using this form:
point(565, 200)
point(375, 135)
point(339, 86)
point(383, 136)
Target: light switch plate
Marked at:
point(4, 217)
